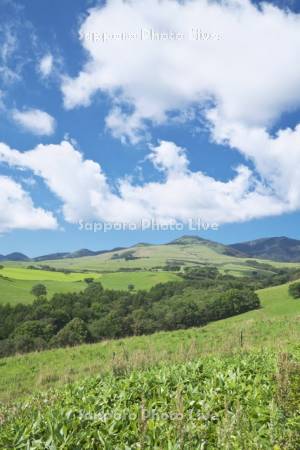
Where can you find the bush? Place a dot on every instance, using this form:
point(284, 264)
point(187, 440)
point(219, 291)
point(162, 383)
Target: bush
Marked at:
point(89, 280)
point(294, 290)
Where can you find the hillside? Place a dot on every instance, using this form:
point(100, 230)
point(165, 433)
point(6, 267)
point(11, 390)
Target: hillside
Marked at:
point(142, 265)
point(212, 385)
point(275, 325)
point(16, 282)
point(235, 402)
point(185, 251)
point(274, 248)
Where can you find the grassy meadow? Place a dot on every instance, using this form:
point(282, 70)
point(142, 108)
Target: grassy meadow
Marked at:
point(15, 291)
point(16, 282)
point(151, 256)
point(276, 325)
point(233, 384)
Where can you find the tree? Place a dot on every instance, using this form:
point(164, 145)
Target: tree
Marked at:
point(32, 335)
point(131, 287)
point(74, 333)
point(38, 290)
point(94, 290)
point(294, 290)
point(89, 280)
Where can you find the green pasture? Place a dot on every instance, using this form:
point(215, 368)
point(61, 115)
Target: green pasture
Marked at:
point(16, 282)
point(275, 326)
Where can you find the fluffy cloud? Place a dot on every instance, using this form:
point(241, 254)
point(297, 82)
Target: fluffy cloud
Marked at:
point(46, 65)
point(36, 121)
point(75, 181)
point(86, 194)
point(239, 80)
point(249, 74)
point(18, 211)
point(169, 158)
point(276, 158)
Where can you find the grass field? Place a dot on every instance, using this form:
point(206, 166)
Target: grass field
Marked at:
point(190, 389)
point(20, 273)
point(18, 287)
point(16, 282)
point(141, 280)
point(18, 291)
point(275, 325)
point(242, 401)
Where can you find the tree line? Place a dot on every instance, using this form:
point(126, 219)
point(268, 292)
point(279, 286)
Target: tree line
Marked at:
point(96, 313)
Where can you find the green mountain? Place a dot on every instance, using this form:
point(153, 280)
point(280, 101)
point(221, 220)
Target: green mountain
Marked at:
point(185, 251)
point(275, 248)
point(220, 248)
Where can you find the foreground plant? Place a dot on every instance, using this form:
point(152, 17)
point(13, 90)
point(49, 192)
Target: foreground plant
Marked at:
point(237, 402)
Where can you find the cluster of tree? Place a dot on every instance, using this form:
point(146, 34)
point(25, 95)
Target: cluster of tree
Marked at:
point(172, 267)
point(267, 275)
point(49, 268)
point(128, 256)
point(279, 276)
point(96, 314)
point(130, 269)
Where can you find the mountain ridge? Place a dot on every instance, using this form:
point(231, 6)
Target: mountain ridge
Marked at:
point(280, 248)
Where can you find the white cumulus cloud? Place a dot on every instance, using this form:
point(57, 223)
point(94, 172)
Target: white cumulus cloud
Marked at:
point(18, 210)
point(249, 74)
point(276, 158)
point(46, 65)
point(35, 121)
point(86, 194)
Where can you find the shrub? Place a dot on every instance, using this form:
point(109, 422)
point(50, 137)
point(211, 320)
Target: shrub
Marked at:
point(294, 290)
point(89, 280)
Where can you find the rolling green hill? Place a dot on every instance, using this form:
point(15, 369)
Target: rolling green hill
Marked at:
point(186, 251)
point(16, 282)
point(232, 384)
point(143, 265)
point(275, 325)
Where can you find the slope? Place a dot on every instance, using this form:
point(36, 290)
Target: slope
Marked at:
point(275, 325)
point(274, 248)
point(186, 251)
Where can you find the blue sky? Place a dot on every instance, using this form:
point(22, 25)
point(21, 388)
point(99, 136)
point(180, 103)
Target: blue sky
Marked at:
point(163, 130)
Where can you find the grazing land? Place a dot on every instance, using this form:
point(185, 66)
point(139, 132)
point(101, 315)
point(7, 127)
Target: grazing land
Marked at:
point(16, 282)
point(184, 251)
point(142, 266)
point(275, 325)
point(210, 387)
